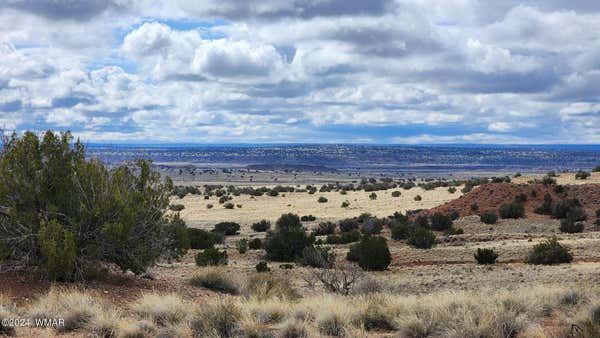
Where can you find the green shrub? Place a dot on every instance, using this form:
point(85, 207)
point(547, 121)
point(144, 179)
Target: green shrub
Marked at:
point(596, 169)
point(209, 206)
point(353, 254)
point(422, 238)
point(570, 226)
point(582, 175)
point(176, 207)
point(227, 228)
point(261, 226)
point(308, 218)
point(317, 257)
point(546, 207)
point(452, 190)
point(348, 224)
point(374, 253)
point(202, 239)
point(242, 246)
point(74, 210)
point(400, 232)
point(440, 221)
point(422, 221)
point(549, 252)
point(485, 256)
point(454, 215)
point(286, 244)
point(288, 221)
point(228, 205)
point(57, 246)
point(373, 196)
point(215, 281)
point(322, 199)
point(255, 244)
point(211, 256)
point(324, 228)
point(262, 267)
point(396, 193)
point(371, 226)
point(343, 238)
point(488, 218)
point(563, 208)
point(345, 204)
point(512, 210)
point(418, 198)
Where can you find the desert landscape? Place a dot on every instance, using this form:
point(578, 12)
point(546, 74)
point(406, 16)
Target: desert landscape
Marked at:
point(426, 289)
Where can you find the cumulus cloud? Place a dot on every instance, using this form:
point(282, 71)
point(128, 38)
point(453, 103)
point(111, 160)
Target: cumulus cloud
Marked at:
point(515, 71)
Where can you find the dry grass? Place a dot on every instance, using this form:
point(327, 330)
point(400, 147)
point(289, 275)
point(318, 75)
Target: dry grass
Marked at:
point(161, 309)
point(487, 313)
point(215, 279)
point(77, 308)
point(302, 203)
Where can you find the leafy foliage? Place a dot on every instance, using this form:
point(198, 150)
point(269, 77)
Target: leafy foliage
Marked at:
point(202, 239)
point(422, 238)
point(67, 210)
point(440, 221)
point(512, 210)
point(488, 218)
point(570, 226)
point(261, 226)
point(227, 228)
point(373, 253)
point(288, 241)
point(211, 256)
point(549, 252)
point(485, 256)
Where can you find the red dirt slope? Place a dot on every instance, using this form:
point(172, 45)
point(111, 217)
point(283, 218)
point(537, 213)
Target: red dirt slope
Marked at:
point(489, 197)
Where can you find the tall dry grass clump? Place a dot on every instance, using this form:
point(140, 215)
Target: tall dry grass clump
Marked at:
point(162, 309)
point(77, 308)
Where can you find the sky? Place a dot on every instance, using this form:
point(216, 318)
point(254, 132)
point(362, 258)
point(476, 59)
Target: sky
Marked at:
point(303, 71)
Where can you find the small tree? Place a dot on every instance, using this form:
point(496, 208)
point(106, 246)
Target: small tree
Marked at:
point(286, 244)
point(485, 256)
point(422, 238)
point(400, 232)
point(242, 246)
point(211, 256)
point(373, 196)
point(227, 228)
point(374, 253)
point(582, 175)
point(546, 207)
point(202, 239)
point(322, 199)
point(288, 221)
point(255, 244)
point(512, 210)
point(440, 222)
point(549, 252)
point(261, 226)
point(488, 218)
point(569, 226)
point(396, 193)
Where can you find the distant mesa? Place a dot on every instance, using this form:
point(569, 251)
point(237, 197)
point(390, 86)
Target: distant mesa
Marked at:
point(290, 167)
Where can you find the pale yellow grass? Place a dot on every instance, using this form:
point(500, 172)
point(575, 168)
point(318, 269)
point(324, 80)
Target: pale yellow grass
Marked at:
point(563, 178)
point(265, 207)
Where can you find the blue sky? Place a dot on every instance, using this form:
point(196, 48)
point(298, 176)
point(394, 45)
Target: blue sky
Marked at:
point(307, 71)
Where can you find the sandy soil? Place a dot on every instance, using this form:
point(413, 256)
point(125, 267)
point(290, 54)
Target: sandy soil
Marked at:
point(270, 208)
